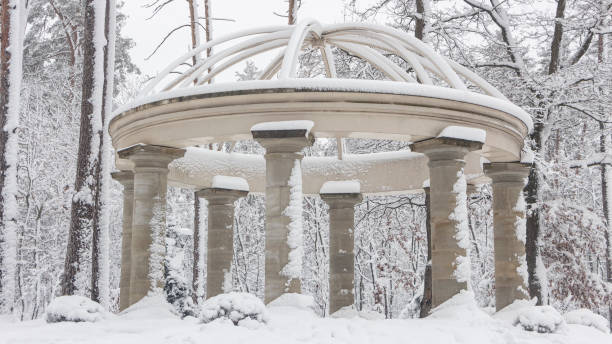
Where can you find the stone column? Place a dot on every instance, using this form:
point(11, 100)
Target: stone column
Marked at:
point(341, 248)
point(220, 248)
point(283, 149)
point(149, 213)
point(446, 162)
point(507, 181)
point(126, 178)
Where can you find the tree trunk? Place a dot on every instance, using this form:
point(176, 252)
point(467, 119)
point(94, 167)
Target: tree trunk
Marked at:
point(421, 21)
point(292, 13)
point(195, 31)
point(209, 30)
point(100, 249)
point(198, 258)
point(11, 45)
point(427, 280)
point(606, 187)
point(532, 249)
point(85, 210)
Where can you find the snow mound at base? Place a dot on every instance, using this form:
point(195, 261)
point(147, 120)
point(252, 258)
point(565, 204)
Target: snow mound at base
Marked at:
point(294, 300)
point(153, 305)
point(586, 317)
point(542, 319)
point(528, 316)
point(75, 309)
point(460, 307)
point(237, 307)
point(349, 312)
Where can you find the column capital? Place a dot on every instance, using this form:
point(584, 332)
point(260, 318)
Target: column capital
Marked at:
point(283, 141)
point(507, 172)
point(150, 156)
point(126, 178)
point(219, 196)
point(445, 148)
point(341, 200)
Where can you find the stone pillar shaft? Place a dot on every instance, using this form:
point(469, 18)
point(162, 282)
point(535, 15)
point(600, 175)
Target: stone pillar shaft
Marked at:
point(507, 181)
point(341, 249)
point(446, 162)
point(282, 156)
point(220, 250)
point(126, 178)
point(149, 213)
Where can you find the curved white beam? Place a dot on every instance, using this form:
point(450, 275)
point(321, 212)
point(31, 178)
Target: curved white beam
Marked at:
point(187, 56)
point(368, 41)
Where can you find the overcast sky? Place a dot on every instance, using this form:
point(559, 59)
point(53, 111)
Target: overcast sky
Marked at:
point(246, 13)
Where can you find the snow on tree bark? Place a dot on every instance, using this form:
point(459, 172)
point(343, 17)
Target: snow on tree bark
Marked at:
point(13, 17)
point(293, 269)
point(520, 229)
point(199, 249)
point(85, 211)
point(100, 244)
point(462, 235)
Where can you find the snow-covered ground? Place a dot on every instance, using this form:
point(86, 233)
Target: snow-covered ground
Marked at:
point(292, 321)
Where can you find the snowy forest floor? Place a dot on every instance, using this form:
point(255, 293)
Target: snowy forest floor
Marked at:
point(154, 322)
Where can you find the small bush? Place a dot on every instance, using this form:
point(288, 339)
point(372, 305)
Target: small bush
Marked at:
point(75, 309)
point(235, 307)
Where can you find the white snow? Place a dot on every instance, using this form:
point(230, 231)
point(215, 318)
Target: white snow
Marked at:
point(526, 315)
point(76, 309)
point(293, 269)
point(284, 125)
point(344, 85)
point(235, 307)
point(349, 312)
point(541, 319)
point(464, 133)
point(460, 306)
point(290, 320)
point(460, 217)
point(341, 187)
point(230, 183)
point(587, 318)
point(293, 300)
point(8, 223)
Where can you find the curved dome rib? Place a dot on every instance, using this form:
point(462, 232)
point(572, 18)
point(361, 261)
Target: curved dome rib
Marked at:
point(372, 43)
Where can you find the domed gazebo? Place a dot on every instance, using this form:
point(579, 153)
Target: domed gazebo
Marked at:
point(462, 130)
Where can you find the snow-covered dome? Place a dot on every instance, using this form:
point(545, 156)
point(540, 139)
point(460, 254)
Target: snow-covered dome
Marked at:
point(396, 54)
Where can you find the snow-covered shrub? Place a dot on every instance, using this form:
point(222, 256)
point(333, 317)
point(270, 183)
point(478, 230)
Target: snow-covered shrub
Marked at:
point(178, 294)
point(235, 307)
point(541, 319)
point(76, 309)
point(587, 318)
point(524, 313)
point(177, 287)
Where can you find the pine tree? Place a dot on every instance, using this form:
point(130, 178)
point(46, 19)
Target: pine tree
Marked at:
point(85, 210)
